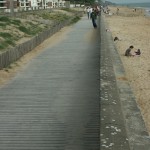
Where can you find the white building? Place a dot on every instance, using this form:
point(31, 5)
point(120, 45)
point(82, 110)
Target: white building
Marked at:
point(24, 4)
point(35, 4)
point(44, 4)
point(30, 4)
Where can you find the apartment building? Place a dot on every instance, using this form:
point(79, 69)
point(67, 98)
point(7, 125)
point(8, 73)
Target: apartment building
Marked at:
point(24, 4)
point(51, 3)
point(4, 4)
point(18, 5)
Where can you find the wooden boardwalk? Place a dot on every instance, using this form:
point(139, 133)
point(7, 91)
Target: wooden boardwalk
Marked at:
point(53, 104)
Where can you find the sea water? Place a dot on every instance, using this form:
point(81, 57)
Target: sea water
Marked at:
point(145, 6)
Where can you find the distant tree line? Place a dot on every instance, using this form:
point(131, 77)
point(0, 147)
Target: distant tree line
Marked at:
point(83, 2)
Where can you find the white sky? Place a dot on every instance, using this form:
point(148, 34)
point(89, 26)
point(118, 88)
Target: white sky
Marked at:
point(128, 1)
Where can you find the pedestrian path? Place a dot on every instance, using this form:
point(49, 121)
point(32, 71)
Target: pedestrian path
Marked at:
point(53, 103)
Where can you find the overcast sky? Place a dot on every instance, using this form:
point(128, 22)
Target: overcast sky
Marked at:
point(128, 1)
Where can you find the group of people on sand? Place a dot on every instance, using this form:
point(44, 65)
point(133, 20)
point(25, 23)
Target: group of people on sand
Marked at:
point(92, 13)
point(129, 52)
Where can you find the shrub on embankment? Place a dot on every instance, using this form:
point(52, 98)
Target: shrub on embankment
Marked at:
point(19, 36)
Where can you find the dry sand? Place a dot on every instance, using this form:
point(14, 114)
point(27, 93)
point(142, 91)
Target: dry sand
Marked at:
point(133, 28)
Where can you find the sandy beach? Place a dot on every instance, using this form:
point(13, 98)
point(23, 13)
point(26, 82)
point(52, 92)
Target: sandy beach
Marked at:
point(133, 28)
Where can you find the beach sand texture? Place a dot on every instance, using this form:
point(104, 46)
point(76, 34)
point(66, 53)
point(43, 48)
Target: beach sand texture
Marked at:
point(133, 28)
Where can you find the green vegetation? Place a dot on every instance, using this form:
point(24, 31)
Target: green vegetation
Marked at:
point(76, 19)
point(4, 19)
point(16, 22)
point(10, 42)
point(5, 35)
point(68, 10)
point(6, 43)
point(2, 24)
point(23, 29)
point(11, 30)
point(30, 30)
point(9, 37)
point(3, 45)
point(54, 16)
point(86, 2)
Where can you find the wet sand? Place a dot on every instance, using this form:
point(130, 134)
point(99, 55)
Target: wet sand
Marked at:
point(133, 28)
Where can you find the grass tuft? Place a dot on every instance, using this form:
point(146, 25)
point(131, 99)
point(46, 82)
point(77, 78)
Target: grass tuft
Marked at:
point(16, 22)
point(4, 19)
point(5, 35)
point(24, 29)
point(76, 19)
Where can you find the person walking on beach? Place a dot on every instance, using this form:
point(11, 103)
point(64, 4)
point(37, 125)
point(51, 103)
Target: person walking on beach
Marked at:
point(117, 12)
point(94, 17)
point(91, 9)
point(128, 51)
point(88, 12)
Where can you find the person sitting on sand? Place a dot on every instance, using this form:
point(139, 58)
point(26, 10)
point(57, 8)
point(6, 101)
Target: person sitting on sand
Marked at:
point(138, 52)
point(128, 51)
point(116, 38)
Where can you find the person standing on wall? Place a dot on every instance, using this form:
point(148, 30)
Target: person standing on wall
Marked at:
point(94, 17)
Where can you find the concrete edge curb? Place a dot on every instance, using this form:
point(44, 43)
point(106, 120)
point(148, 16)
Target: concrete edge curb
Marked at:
point(113, 134)
point(135, 126)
